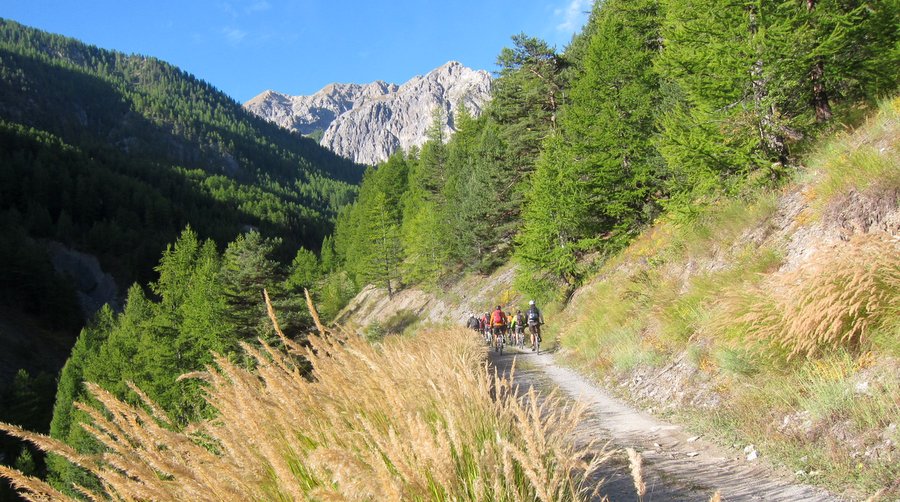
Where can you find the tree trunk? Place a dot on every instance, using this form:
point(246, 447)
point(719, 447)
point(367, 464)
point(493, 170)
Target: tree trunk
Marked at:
point(772, 140)
point(820, 95)
point(817, 76)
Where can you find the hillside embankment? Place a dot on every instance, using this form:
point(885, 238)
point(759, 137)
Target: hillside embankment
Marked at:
point(451, 304)
point(768, 323)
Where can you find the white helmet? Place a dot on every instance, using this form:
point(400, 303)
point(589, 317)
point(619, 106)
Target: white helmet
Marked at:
point(531, 302)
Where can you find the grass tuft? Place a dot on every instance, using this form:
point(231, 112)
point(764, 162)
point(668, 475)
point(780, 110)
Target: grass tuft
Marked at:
point(406, 419)
point(832, 301)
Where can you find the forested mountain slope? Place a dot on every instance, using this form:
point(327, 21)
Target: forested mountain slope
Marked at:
point(769, 321)
point(109, 155)
point(695, 155)
point(115, 154)
point(579, 150)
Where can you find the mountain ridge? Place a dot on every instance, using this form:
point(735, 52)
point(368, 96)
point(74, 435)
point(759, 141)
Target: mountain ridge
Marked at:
point(368, 122)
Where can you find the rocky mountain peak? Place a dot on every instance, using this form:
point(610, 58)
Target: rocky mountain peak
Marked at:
point(369, 122)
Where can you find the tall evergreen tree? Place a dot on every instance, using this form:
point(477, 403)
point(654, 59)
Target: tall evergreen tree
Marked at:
point(611, 121)
point(596, 176)
point(248, 269)
point(526, 97)
point(556, 217)
point(725, 119)
point(383, 233)
point(457, 236)
point(423, 203)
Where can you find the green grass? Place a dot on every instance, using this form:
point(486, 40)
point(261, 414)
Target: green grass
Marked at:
point(826, 390)
point(721, 224)
point(819, 341)
point(862, 160)
point(736, 361)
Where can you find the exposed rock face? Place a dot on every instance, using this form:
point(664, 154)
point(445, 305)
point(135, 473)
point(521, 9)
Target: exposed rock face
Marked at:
point(94, 287)
point(367, 123)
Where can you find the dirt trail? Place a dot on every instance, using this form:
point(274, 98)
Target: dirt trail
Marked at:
point(677, 467)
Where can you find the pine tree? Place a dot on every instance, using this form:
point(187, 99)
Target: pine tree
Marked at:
point(557, 217)
point(248, 269)
point(724, 118)
point(596, 176)
point(611, 121)
point(526, 97)
point(64, 425)
point(458, 238)
point(175, 269)
point(431, 169)
point(383, 232)
point(305, 271)
point(493, 199)
point(327, 255)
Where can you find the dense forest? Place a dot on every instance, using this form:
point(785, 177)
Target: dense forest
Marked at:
point(98, 144)
point(657, 106)
point(114, 155)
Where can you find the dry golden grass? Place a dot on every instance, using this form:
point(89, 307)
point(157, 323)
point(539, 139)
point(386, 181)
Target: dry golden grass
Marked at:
point(637, 473)
point(832, 301)
point(408, 419)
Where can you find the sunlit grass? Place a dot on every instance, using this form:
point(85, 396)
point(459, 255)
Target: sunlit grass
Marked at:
point(403, 419)
point(773, 343)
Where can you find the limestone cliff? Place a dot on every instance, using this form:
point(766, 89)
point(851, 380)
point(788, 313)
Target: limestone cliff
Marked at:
point(367, 123)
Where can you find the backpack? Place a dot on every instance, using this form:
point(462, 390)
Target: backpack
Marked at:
point(498, 318)
point(534, 315)
point(520, 318)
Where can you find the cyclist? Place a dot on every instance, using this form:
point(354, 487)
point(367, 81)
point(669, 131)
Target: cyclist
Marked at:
point(498, 326)
point(472, 323)
point(519, 321)
point(535, 319)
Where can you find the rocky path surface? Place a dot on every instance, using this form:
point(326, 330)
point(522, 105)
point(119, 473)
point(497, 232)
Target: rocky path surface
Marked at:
point(677, 466)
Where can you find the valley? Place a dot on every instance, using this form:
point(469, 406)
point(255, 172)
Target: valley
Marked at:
point(209, 300)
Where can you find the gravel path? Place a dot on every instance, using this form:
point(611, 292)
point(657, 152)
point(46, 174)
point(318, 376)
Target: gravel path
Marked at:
point(677, 467)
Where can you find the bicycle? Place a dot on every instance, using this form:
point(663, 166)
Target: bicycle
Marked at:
point(535, 337)
point(498, 340)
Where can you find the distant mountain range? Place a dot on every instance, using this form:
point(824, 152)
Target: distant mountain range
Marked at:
point(368, 122)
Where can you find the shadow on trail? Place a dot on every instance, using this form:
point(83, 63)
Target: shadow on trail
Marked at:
point(614, 476)
point(676, 465)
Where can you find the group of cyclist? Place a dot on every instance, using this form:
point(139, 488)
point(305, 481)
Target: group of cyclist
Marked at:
point(499, 328)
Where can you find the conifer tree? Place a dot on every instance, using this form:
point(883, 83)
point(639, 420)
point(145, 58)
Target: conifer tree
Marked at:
point(64, 425)
point(305, 271)
point(423, 250)
point(248, 269)
point(526, 98)
point(611, 121)
point(383, 233)
point(457, 237)
point(725, 118)
point(596, 175)
point(493, 199)
point(557, 216)
point(327, 255)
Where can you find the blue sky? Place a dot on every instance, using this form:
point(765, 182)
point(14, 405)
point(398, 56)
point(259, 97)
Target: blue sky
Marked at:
point(244, 47)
